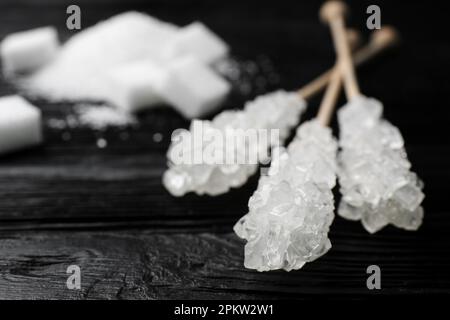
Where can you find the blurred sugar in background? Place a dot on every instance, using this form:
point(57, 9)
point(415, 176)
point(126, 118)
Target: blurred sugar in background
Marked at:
point(126, 64)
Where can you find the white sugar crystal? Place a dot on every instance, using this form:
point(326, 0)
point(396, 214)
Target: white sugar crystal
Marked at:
point(277, 110)
point(79, 71)
point(193, 88)
point(291, 211)
point(29, 50)
point(377, 185)
point(20, 124)
point(136, 85)
point(198, 41)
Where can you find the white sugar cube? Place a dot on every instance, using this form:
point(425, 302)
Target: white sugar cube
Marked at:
point(193, 88)
point(28, 50)
point(20, 124)
point(198, 41)
point(135, 86)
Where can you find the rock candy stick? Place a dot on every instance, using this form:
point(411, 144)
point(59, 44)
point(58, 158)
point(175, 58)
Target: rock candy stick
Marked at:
point(278, 110)
point(376, 182)
point(292, 209)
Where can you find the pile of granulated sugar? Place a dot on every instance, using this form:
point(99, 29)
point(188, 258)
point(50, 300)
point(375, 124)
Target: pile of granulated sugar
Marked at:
point(96, 117)
point(133, 61)
point(79, 69)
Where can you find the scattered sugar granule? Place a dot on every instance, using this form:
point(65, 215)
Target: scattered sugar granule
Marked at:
point(157, 137)
point(96, 117)
point(66, 136)
point(102, 143)
point(101, 117)
point(249, 77)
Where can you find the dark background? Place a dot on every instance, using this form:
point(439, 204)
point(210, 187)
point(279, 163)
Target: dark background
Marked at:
point(69, 202)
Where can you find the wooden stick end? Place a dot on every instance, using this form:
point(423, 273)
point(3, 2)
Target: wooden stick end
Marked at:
point(386, 36)
point(332, 9)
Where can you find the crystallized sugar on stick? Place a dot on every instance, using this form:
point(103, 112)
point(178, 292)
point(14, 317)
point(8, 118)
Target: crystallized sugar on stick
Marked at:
point(278, 110)
point(79, 71)
point(20, 124)
point(292, 209)
point(198, 41)
point(28, 50)
point(377, 185)
point(192, 88)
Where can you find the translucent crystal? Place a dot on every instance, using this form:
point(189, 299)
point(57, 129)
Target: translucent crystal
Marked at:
point(292, 209)
point(377, 185)
point(349, 211)
point(278, 110)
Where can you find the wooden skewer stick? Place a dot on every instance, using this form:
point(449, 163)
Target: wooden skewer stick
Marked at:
point(330, 98)
point(318, 84)
point(333, 13)
point(380, 40)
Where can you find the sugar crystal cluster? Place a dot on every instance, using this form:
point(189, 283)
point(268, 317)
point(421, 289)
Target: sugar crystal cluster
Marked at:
point(377, 185)
point(291, 211)
point(278, 110)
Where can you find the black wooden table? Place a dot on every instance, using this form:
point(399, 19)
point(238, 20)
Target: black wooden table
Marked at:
point(104, 209)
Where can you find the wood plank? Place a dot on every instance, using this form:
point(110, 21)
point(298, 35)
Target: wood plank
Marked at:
point(150, 264)
point(113, 187)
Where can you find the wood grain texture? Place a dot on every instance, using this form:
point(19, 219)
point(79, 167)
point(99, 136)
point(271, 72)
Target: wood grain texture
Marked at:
point(69, 202)
point(159, 264)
